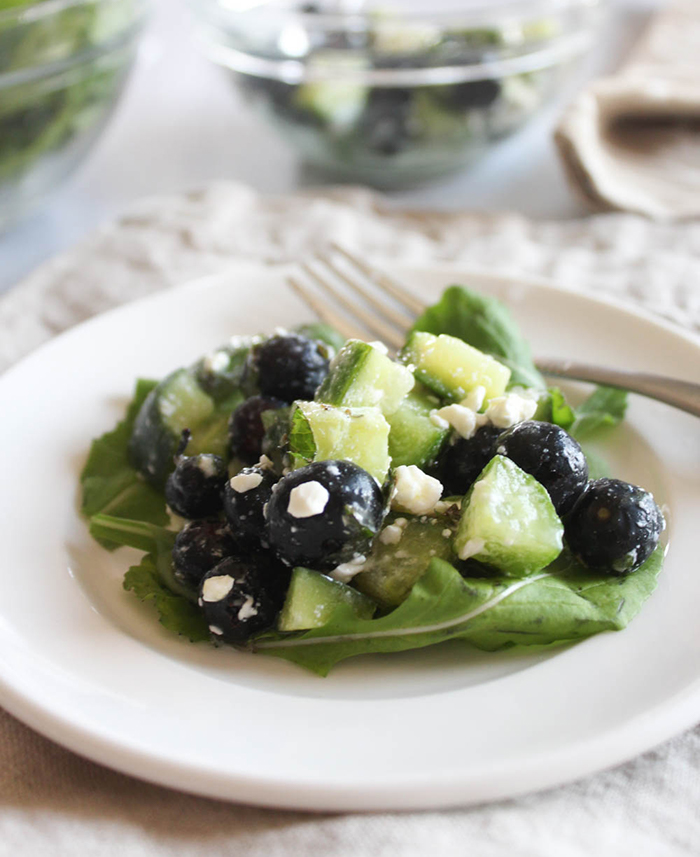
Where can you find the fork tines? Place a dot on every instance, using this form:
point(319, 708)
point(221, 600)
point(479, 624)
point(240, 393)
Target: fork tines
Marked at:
point(355, 297)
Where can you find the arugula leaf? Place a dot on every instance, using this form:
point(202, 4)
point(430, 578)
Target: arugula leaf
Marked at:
point(176, 612)
point(604, 408)
point(565, 602)
point(111, 484)
point(141, 535)
point(486, 324)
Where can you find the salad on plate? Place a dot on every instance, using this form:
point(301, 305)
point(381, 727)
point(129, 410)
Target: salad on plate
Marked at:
point(311, 498)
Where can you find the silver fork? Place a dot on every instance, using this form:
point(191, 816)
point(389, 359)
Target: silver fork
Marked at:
point(369, 301)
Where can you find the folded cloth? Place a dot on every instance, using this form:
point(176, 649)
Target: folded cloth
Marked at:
point(53, 802)
point(632, 141)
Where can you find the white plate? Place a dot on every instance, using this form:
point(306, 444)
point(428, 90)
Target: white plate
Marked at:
point(88, 665)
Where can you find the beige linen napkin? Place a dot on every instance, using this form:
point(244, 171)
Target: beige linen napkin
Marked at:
point(55, 804)
point(632, 141)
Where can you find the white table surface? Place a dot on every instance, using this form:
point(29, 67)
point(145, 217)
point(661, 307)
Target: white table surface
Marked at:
point(180, 124)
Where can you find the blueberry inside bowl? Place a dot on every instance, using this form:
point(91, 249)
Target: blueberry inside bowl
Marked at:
point(397, 95)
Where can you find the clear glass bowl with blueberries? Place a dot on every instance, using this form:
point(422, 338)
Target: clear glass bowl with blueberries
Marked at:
point(400, 93)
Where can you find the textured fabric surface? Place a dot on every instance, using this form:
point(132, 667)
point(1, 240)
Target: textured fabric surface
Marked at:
point(632, 141)
point(54, 803)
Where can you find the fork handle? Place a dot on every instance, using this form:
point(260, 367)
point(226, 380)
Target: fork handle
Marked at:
point(683, 395)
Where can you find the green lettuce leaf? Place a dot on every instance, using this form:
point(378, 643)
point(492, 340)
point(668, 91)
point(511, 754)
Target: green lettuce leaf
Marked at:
point(604, 408)
point(565, 602)
point(110, 483)
point(176, 613)
point(486, 324)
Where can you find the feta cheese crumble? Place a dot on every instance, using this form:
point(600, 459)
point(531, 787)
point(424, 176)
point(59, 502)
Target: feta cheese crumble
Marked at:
point(463, 420)
point(307, 500)
point(345, 572)
point(265, 463)
point(248, 610)
point(474, 400)
point(501, 411)
point(215, 362)
point(245, 482)
point(509, 410)
point(207, 465)
point(217, 588)
point(471, 548)
point(415, 491)
point(391, 535)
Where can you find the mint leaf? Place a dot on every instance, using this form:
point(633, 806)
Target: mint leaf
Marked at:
point(486, 324)
point(565, 602)
point(604, 408)
point(176, 613)
point(109, 481)
point(562, 413)
point(301, 438)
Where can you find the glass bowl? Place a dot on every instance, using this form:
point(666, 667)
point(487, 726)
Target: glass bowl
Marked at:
point(63, 64)
point(396, 95)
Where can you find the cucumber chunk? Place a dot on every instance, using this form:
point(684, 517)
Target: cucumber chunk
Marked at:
point(414, 438)
point(452, 368)
point(312, 597)
point(362, 376)
point(392, 568)
point(177, 403)
point(322, 432)
point(508, 521)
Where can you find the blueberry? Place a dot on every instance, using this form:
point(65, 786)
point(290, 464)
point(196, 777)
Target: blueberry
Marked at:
point(462, 462)
point(552, 456)
point(246, 429)
point(324, 514)
point(199, 546)
point(386, 122)
point(474, 93)
point(614, 526)
point(193, 489)
point(245, 497)
point(242, 596)
point(289, 367)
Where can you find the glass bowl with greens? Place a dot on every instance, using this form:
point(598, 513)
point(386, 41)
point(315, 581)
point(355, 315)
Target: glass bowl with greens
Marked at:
point(394, 95)
point(63, 64)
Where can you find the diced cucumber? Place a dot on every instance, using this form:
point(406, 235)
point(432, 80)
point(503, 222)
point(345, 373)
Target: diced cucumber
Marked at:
point(177, 403)
point(362, 376)
point(414, 438)
point(452, 368)
point(393, 567)
point(312, 597)
point(508, 521)
point(321, 432)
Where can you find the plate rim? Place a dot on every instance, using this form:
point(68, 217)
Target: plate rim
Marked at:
point(390, 796)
